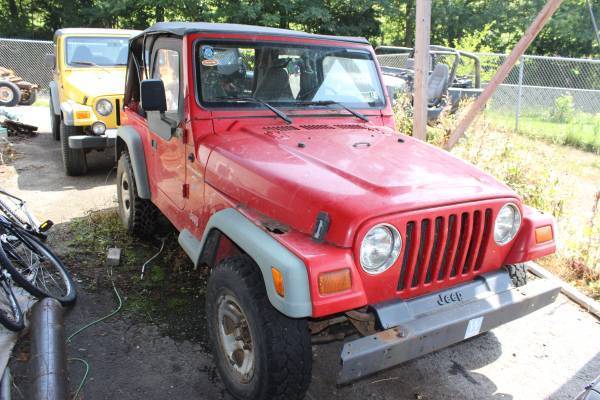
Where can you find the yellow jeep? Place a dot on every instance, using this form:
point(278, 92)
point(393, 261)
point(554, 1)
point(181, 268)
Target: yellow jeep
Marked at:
point(87, 91)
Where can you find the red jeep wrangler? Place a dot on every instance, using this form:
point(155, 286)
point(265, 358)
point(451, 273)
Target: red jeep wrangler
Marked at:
point(274, 154)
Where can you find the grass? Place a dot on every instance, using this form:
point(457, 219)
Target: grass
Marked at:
point(42, 101)
point(582, 131)
point(171, 293)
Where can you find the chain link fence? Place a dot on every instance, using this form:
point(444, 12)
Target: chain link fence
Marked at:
point(26, 58)
point(555, 98)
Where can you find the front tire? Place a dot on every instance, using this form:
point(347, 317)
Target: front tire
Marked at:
point(138, 215)
point(73, 159)
point(517, 273)
point(260, 353)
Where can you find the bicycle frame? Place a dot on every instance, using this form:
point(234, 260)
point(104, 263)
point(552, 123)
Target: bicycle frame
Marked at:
point(16, 210)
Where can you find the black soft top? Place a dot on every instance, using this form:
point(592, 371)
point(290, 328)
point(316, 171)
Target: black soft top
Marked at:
point(184, 28)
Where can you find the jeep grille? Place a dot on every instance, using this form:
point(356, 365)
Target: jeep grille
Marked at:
point(444, 248)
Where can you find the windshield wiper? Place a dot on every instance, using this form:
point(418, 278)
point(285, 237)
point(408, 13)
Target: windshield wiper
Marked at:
point(250, 99)
point(88, 63)
point(333, 102)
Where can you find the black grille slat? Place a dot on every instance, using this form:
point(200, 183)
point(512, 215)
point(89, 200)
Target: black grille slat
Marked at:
point(487, 222)
point(449, 239)
point(461, 243)
point(405, 258)
point(434, 250)
point(420, 254)
point(118, 111)
point(473, 242)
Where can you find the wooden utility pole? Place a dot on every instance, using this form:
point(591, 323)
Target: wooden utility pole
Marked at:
point(423, 27)
point(477, 106)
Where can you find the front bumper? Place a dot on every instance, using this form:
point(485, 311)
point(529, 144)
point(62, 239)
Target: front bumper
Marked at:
point(89, 142)
point(432, 322)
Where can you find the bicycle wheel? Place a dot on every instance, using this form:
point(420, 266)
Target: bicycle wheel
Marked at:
point(35, 267)
point(10, 312)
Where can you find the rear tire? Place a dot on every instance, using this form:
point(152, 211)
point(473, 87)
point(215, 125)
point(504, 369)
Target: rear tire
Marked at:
point(30, 99)
point(10, 94)
point(54, 122)
point(260, 353)
point(138, 215)
point(10, 312)
point(517, 273)
point(73, 159)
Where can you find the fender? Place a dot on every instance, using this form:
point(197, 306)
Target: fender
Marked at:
point(138, 160)
point(266, 252)
point(54, 98)
point(525, 248)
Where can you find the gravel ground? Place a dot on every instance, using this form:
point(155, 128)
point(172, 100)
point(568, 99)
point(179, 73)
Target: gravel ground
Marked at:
point(550, 354)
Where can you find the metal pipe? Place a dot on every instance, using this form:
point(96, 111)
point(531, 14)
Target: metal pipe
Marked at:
point(520, 93)
point(48, 353)
point(5, 385)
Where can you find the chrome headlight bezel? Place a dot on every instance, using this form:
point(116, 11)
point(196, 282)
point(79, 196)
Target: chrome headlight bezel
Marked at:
point(104, 107)
point(392, 253)
point(503, 239)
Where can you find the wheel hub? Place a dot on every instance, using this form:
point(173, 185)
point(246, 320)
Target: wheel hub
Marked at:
point(125, 197)
point(6, 95)
point(235, 338)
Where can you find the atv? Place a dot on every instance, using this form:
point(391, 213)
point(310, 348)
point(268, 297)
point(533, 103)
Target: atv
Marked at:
point(444, 86)
point(14, 90)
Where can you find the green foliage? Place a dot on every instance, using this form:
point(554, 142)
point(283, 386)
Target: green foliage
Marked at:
point(495, 26)
point(471, 25)
point(582, 131)
point(564, 109)
point(41, 18)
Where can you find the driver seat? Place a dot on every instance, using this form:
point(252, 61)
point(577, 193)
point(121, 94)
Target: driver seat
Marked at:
point(274, 85)
point(82, 53)
point(437, 83)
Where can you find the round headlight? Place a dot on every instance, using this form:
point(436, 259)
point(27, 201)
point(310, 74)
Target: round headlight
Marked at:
point(98, 128)
point(104, 107)
point(507, 224)
point(380, 248)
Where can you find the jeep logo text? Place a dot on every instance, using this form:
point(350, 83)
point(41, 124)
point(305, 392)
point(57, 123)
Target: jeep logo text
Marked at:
point(449, 298)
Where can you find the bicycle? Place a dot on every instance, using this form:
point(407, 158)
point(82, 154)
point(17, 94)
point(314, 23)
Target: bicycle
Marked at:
point(11, 315)
point(28, 262)
point(15, 209)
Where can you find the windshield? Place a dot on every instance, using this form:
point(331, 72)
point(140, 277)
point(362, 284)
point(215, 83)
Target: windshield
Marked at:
point(100, 51)
point(287, 75)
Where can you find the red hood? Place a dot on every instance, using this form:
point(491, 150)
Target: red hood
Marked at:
point(353, 172)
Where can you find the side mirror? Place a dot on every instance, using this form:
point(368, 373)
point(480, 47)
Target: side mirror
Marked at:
point(50, 60)
point(154, 103)
point(153, 95)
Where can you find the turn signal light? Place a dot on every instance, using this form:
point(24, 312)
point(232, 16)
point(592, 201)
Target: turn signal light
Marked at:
point(278, 281)
point(82, 114)
point(334, 281)
point(543, 234)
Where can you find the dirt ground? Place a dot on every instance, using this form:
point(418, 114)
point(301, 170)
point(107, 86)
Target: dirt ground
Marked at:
point(137, 354)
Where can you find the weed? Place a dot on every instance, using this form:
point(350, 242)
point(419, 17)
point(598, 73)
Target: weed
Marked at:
point(564, 109)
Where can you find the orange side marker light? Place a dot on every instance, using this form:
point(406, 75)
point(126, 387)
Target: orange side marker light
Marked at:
point(278, 281)
point(335, 281)
point(543, 234)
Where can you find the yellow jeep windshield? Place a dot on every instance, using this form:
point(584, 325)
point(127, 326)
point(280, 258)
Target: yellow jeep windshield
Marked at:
point(96, 51)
